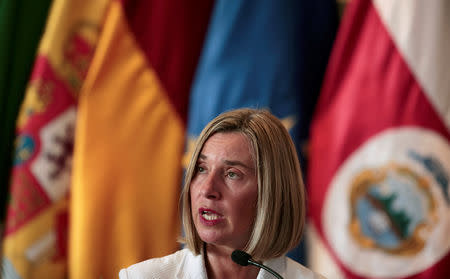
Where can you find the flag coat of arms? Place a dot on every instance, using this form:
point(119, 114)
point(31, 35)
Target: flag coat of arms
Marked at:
point(380, 144)
point(35, 237)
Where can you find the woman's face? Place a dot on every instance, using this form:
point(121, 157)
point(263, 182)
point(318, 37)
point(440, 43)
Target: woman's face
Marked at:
point(224, 191)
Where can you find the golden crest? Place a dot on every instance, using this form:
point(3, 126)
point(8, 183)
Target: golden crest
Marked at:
point(392, 209)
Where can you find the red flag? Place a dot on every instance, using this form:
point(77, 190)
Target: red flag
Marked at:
point(380, 143)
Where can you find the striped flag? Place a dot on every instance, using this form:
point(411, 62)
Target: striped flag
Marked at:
point(263, 54)
point(380, 145)
point(130, 135)
point(35, 242)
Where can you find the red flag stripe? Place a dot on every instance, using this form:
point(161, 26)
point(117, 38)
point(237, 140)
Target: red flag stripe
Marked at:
point(171, 34)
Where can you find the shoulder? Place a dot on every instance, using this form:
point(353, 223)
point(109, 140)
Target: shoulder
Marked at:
point(182, 261)
point(288, 269)
point(296, 270)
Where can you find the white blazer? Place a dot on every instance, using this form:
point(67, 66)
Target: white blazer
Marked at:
point(184, 264)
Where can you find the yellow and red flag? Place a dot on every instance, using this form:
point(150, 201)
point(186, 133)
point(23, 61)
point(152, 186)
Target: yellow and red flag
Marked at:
point(35, 241)
point(130, 136)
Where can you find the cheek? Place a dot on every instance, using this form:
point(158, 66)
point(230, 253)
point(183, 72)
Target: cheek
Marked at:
point(246, 208)
point(192, 196)
point(193, 189)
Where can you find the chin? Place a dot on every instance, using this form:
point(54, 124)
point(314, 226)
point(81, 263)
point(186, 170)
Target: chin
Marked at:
point(210, 237)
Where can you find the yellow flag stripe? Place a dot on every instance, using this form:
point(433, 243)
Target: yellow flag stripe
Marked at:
point(127, 160)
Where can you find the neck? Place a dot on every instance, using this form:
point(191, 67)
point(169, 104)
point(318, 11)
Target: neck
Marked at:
point(220, 265)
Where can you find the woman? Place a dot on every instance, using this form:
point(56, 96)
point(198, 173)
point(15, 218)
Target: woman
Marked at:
point(243, 190)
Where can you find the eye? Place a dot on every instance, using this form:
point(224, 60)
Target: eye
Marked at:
point(200, 169)
point(232, 175)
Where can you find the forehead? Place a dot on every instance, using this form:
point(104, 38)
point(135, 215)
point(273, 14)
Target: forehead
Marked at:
point(231, 145)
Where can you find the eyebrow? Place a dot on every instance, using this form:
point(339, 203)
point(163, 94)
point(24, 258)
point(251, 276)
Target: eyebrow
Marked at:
point(229, 162)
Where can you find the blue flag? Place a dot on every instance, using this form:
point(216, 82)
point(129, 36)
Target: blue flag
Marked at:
point(264, 54)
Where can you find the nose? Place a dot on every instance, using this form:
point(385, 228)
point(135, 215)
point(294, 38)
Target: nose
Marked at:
point(209, 187)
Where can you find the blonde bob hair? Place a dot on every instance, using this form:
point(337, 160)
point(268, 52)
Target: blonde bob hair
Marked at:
point(280, 209)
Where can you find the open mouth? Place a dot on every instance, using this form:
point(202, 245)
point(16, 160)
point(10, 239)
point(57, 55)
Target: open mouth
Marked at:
point(210, 216)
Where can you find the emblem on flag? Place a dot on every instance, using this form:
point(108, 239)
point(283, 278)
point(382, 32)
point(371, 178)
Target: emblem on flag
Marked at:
point(388, 204)
point(25, 148)
point(53, 164)
point(392, 209)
